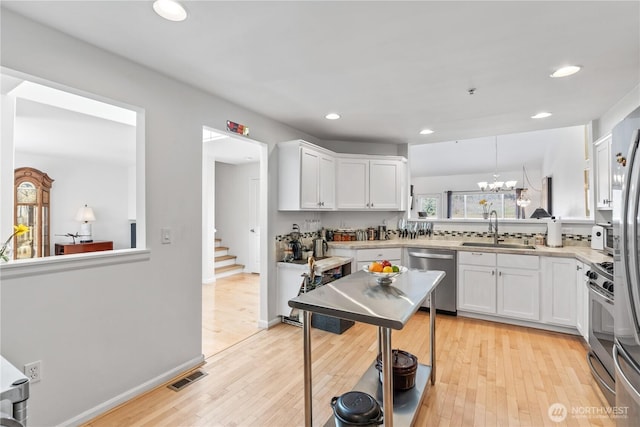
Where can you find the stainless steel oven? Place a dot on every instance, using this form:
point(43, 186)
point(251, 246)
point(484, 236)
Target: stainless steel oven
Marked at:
point(601, 328)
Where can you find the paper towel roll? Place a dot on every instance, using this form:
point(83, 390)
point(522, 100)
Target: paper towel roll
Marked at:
point(554, 233)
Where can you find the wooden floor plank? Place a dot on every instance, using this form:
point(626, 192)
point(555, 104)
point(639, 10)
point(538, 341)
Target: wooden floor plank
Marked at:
point(487, 374)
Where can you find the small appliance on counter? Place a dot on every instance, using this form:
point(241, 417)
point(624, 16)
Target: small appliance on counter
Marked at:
point(602, 238)
point(597, 238)
point(320, 248)
point(372, 234)
point(294, 244)
point(382, 232)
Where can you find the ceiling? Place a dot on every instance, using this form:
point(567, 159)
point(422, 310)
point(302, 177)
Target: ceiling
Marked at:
point(389, 68)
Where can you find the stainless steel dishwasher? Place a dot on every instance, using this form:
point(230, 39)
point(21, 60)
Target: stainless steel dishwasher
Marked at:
point(443, 260)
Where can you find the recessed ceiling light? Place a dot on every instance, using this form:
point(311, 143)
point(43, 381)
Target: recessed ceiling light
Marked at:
point(170, 10)
point(541, 115)
point(566, 71)
point(332, 116)
point(426, 132)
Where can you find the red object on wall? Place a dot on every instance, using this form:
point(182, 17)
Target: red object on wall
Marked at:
point(237, 128)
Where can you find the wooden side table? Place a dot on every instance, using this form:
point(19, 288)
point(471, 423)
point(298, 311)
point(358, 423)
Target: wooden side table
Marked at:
point(78, 248)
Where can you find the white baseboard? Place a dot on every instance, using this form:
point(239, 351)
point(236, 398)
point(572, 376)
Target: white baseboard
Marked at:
point(270, 324)
point(532, 324)
point(134, 392)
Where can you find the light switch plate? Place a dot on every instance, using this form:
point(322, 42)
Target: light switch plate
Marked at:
point(165, 236)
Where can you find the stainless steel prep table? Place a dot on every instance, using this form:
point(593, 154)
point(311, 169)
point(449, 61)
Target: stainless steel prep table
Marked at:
point(360, 298)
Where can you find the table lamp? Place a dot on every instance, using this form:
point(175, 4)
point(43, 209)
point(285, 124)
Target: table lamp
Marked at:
point(84, 215)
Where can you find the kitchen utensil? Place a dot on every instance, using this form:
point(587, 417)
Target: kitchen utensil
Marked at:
point(382, 232)
point(371, 233)
point(320, 248)
point(405, 366)
point(356, 408)
point(296, 248)
point(402, 227)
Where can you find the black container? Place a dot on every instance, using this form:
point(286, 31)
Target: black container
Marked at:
point(405, 366)
point(356, 408)
point(330, 323)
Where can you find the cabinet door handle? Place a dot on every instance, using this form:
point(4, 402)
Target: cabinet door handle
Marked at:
point(500, 273)
point(493, 272)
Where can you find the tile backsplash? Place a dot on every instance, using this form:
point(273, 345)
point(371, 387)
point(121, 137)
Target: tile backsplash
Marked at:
point(568, 239)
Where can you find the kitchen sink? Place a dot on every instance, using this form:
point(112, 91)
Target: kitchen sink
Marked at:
point(497, 245)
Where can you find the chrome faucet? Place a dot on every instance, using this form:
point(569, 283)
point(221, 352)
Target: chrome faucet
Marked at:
point(493, 228)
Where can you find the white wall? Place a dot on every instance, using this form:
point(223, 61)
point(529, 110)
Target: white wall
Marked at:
point(122, 326)
point(233, 213)
point(101, 186)
point(567, 172)
point(563, 161)
point(616, 113)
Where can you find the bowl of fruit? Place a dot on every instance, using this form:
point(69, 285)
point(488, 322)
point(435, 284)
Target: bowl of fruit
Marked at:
point(384, 271)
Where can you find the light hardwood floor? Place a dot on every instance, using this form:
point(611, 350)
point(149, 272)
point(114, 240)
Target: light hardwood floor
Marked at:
point(488, 374)
point(229, 311)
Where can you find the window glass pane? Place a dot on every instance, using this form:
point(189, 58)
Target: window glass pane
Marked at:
point(428, 205)
point(467, 205)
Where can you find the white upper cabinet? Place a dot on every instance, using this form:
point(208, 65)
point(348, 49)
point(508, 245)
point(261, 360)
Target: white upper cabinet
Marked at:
point(306, 177)
point(370, 183)
point(313, 178)
point(602, 156)
point(317, 182)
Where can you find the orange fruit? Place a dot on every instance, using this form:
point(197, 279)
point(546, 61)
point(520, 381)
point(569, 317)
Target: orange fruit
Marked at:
point(375, 267)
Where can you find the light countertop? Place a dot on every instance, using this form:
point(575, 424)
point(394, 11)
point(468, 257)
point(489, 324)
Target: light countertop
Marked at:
point(581, 253)
point(320, 265)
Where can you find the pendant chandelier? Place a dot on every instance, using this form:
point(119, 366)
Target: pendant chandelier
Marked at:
point(523, 200)
point(497, 186)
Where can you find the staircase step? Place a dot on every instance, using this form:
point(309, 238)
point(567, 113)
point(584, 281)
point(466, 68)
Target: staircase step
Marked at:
point(220, 251)
point(217, 242)
point(224, 260)
point(228, 270)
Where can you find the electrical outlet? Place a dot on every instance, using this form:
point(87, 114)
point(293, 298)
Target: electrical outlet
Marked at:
point(33, 371)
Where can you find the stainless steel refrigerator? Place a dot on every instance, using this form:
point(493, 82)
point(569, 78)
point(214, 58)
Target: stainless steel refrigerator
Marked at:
point(626, 222)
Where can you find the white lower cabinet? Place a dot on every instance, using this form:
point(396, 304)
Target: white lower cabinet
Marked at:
point(501, 284)
point(367, 256)
point(362, 257)
point(582, 300)
point(559, 291)
point(477, 288)
point(519, 286)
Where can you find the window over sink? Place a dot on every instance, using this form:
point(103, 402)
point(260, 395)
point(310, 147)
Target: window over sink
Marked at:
point(467, 205)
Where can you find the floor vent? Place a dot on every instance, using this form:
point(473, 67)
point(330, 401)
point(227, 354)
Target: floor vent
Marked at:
point(183, 382)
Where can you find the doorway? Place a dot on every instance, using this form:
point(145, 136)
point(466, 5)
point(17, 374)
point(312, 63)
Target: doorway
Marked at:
point(234, 216)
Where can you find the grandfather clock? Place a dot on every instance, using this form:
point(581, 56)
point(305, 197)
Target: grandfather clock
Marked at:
point(31, 208)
